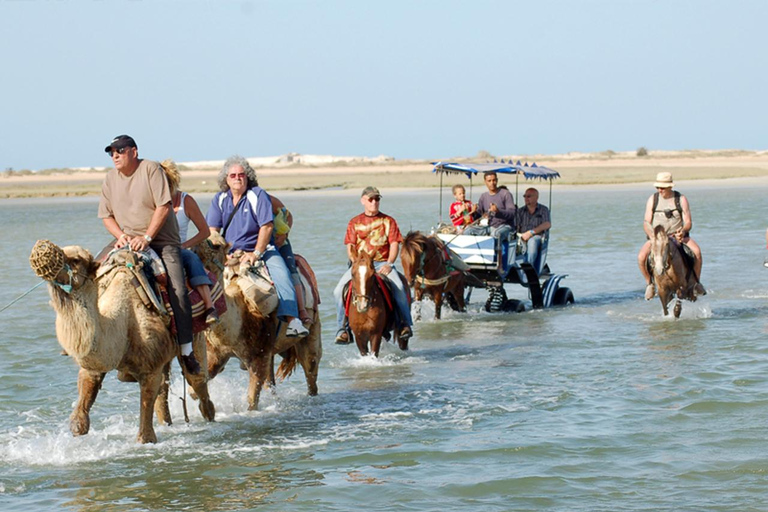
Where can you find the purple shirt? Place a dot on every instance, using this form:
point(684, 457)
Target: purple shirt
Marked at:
point(503, 201)
point(243, 231)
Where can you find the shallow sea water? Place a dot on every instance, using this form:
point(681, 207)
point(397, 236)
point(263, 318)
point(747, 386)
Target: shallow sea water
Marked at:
point(603, 405)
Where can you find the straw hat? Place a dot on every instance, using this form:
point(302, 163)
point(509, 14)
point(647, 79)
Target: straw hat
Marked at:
point(664, 180)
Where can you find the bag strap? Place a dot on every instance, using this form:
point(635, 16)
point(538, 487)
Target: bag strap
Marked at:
point(677, 202)
point(231, 215)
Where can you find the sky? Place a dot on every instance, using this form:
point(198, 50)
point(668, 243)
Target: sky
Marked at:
point(202, 80)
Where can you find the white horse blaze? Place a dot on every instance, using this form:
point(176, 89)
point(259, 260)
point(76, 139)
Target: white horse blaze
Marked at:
point(363, 271)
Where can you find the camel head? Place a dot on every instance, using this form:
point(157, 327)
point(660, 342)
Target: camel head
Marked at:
point(213, 252)
point(68, 268)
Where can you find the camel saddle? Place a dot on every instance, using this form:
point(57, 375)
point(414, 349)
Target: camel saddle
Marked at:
point(149, 280)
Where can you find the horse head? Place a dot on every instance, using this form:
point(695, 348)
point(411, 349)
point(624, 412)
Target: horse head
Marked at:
point(412, 255)
point(363, 282)
point(660, 250)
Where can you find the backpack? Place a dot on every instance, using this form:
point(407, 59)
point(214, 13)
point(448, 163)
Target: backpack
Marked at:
point(677, 203)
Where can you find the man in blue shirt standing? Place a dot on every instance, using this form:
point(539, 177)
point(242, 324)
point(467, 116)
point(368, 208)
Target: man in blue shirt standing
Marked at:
point(242, 211)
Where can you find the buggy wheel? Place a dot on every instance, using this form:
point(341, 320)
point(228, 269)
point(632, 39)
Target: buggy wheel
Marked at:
point(514, 306)
point(497, 297)
point(562, 297)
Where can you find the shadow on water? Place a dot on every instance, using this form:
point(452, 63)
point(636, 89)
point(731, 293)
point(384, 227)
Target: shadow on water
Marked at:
point(608, 298)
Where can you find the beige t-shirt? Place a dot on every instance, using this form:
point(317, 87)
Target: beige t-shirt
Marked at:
point(132, 200)
point(672, 221)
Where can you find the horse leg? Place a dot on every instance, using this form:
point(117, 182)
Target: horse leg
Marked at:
point(417, 295)
point(458, 295)
point(437, 297)
point(150, 388)
point(664, 298)
point(678, 308)
point(361, 340)
point(162, 411)
point(88, 386)
point(376, 344)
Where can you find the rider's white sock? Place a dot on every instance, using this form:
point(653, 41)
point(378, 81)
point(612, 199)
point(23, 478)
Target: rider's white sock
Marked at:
point(186, 348)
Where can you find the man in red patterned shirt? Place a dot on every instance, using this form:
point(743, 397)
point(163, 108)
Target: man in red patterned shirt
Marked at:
point(378, 235)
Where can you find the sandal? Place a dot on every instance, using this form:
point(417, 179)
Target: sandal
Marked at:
point(304, 317)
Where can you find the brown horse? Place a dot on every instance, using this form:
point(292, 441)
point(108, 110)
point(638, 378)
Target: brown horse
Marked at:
point(427, 268)
point(672, 272)
point(370, 318)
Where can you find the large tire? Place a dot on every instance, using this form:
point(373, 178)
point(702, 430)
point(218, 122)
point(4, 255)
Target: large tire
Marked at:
point(562, 297)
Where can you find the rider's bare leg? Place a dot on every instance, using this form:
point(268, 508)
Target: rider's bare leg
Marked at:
point(697, 263)
point(642, 264)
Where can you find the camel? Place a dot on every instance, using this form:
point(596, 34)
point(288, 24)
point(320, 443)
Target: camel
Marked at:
point(244, 332)
point(103, 324)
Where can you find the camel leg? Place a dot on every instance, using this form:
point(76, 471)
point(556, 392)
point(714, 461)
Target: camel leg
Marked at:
point(258, 369)
point(150, 388)
point(88, 386)
point(162, 411)
point(309, 353)
point(199, 383)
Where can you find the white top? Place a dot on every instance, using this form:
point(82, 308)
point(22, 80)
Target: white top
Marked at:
point(182, 219)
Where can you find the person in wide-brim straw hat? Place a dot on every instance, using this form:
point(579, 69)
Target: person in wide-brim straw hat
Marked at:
point(670, 209)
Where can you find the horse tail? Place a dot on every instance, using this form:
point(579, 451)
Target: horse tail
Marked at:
point(288, 365)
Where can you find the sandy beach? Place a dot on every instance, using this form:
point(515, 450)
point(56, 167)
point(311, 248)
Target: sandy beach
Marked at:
point(327, 173)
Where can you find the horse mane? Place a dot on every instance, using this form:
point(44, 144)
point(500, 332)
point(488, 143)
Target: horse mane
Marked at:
point(413, 245)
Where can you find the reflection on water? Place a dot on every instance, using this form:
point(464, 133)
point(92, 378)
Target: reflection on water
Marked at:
point(598, 406)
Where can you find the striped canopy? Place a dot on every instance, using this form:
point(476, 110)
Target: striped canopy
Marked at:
point(530, 172)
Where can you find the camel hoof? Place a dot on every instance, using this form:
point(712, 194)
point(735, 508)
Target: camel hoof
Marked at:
point(79, 426)
point(208, 410)
point(147, 438)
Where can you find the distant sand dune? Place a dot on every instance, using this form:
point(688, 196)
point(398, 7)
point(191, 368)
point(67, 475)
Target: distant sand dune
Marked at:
point(319, 172)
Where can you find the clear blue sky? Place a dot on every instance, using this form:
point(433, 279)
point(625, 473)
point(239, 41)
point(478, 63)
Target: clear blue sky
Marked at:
point(201, 80)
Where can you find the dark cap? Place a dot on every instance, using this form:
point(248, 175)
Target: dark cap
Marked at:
point(119, 142)
point(370, 192)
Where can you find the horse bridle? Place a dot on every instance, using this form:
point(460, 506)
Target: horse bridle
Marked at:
point(422, 279)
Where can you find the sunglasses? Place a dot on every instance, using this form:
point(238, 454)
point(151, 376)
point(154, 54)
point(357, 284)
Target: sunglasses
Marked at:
point(240, 175)
point(119, 151)
point(669, 213)
point(374, 199)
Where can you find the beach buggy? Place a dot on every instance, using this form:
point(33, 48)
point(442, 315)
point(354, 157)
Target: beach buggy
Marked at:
point(496, 262)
